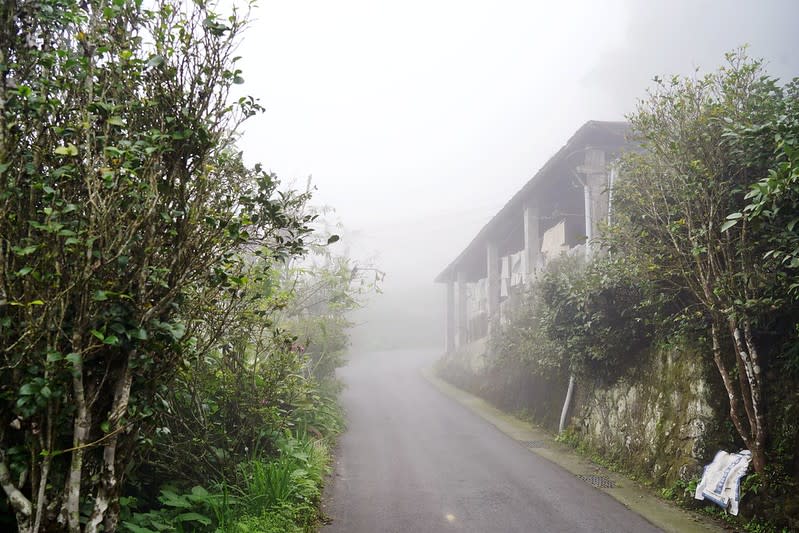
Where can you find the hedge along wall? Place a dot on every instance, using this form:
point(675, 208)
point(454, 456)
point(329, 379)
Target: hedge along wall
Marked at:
point(510, 385)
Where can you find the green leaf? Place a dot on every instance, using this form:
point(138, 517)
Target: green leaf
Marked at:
point(53, 357)
point(199, 492)
point(24, 251)
point(45, 392)
point(155, 61)
point(105, 427)
point(73, 358)
point(194, 517)
point(24, 271)
point(98, 334)
point(138, 334)
point(36, 302)
point(68, 150)
point(170, 499)
point(727, 225)
point(111, 340)
point(116, 121)
point(113, 151)
point(100, 296)
point(137, 529)
point(28, 389)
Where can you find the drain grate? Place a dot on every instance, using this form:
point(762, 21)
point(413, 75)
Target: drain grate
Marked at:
point(600, 482)
point(535, 443)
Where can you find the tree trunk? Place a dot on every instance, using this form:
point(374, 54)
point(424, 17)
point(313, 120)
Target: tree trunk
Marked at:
point(107, 490)
point(749, 361)
point(21, 505)
point(748, 390)
point(41, 496)
point(81, 429)
point(732, 391)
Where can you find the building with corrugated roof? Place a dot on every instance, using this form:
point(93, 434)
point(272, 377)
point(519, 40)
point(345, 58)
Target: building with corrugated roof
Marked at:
point(557, 211)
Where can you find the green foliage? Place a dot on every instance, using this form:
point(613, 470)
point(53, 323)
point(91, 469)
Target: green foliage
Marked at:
point(682, 217)
point(774, 199)
point(319, 411)
point(680, 490)
point(579, 318)
point(294, 477)
point(325, 287)
point(229, 401)
point(277, 494)
point(194, 510)
point(127, 225)
point(278, 520)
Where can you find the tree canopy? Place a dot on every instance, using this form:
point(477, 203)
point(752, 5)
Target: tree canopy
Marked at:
point(125, 212)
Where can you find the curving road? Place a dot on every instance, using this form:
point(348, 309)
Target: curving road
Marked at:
point(415, 461)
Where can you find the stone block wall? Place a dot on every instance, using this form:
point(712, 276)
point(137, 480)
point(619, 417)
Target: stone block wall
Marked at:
point(657, 419)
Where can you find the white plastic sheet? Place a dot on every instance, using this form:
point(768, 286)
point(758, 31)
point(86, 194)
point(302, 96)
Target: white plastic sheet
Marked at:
point(721, 480)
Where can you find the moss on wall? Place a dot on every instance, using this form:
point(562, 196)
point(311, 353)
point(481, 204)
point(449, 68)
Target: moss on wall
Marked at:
point(656, 420)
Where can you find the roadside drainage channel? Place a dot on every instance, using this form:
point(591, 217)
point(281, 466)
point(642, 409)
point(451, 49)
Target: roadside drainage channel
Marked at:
point(533, 444)
point(630, 494)
point(595, 480)
point(600, 482)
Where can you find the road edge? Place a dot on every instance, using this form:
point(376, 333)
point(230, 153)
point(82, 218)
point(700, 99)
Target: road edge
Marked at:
point(628, 492)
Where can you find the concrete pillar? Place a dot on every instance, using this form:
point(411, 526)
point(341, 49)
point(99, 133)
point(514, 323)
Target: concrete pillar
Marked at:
point(493, 287)
point(589, 226)
point(595, 186)
point(461, 326)
point(449, 318)
point(532, 244)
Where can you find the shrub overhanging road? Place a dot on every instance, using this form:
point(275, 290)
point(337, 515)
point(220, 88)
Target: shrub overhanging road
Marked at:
point(414, 460)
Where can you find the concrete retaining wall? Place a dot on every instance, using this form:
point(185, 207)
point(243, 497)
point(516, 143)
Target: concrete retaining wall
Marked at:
point(656, 419)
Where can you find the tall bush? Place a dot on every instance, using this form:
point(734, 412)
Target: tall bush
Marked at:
point(123, 209)
point(679, 216)
point(580, 318)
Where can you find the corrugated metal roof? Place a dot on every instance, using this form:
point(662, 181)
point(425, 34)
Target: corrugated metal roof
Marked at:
point(610, 136)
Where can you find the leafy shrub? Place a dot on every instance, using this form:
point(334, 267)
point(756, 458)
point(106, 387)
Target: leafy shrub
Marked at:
point(196, 510)
point(278, 494)
point(277, 520)
point(126, 213)
point(579, 318)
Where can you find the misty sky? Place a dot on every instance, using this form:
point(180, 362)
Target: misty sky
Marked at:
point(419, 119)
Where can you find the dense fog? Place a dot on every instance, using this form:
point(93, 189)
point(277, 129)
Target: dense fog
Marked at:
point(419, 120)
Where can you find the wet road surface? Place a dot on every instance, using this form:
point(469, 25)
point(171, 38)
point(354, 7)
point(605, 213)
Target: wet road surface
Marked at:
point(413, 460)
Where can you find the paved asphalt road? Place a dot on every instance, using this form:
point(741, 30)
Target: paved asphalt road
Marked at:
point(415, 461)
